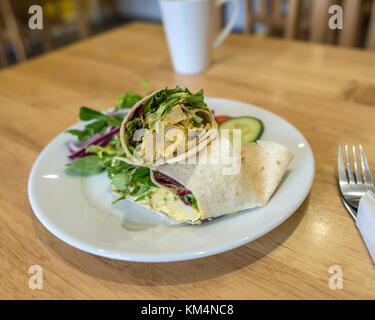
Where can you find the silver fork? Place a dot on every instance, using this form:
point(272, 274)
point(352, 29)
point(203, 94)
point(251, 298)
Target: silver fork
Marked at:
point(353, 186)
point(352, 211)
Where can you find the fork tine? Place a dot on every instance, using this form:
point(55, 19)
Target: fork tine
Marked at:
point(341, 167)
point(356, 167)
point(349, 166)
point(366, 170)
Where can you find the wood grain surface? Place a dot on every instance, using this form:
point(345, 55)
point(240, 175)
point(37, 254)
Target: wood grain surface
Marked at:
point(328, 93)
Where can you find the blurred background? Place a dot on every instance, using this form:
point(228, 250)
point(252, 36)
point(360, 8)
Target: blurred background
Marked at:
point(67, 21)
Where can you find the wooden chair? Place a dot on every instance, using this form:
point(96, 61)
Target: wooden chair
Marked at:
point(319, 30)
point(3, 54)
point(83, 25)
point(354, 11)
point(12, 31)
point(315, 13)
point(16, 33)
point(352, 19)
point(370, 41)
point(271, 14)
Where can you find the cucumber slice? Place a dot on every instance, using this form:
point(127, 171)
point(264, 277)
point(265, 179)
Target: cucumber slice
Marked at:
point(251, 128)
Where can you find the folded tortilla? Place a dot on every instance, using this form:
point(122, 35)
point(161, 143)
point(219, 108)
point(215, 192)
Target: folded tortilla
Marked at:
point(180, 116)
point(222, 188)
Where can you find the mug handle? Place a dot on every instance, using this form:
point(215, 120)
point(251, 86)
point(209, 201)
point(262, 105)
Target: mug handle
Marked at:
point(228, 28)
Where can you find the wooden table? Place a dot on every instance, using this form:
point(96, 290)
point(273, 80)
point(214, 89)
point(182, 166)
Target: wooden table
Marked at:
point(328, 93)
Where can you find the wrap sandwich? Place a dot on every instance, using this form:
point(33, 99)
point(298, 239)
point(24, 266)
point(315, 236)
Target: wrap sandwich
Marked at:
point(167, 126)
point(193, 193)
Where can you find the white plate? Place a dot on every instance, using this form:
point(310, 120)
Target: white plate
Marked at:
point(78, 209)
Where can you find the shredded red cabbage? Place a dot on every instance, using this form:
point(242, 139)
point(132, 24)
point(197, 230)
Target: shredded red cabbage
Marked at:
point(138, 114)
point(90, 140)
point(174, 186)
point(182, 195)
point(97, 139)
point(72, 147)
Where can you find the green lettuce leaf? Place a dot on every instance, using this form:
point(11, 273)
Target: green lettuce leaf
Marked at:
point(131, 180)
point(127, 100)
point(190, 198)
point(87, 165)
point(164, 100)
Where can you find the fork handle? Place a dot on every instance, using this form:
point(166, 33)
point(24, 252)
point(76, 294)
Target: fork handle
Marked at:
point(366, 221)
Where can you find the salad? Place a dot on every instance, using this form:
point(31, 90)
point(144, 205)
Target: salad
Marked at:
point(98, 148)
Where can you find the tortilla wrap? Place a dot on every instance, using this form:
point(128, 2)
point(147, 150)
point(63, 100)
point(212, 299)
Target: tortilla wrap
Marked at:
point(263, 165)
point(201, 142)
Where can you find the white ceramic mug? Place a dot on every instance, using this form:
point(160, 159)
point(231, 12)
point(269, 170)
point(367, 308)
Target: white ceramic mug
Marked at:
point(189, 26)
